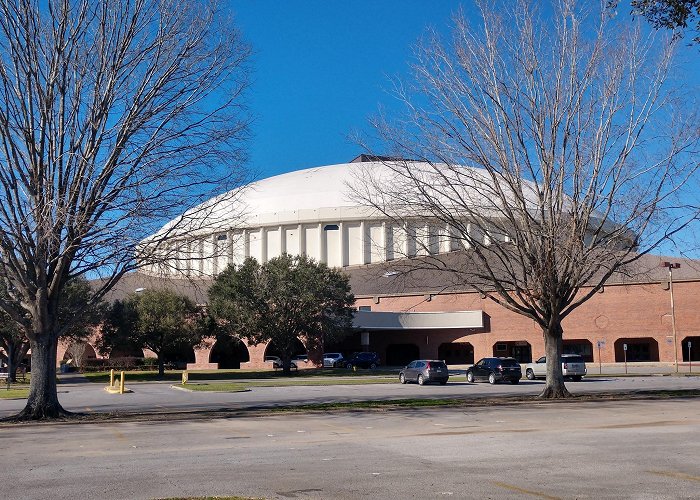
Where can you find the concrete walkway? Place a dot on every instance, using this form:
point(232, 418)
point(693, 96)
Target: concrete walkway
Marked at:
point(72, 378)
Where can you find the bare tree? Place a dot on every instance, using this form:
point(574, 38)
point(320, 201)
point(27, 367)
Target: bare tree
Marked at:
point(554, 157)
point(115, 116)
point(77, 351)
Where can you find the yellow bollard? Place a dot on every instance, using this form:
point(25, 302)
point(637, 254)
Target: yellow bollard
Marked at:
point(111, 377)
point(185, 377)
point(121, 384)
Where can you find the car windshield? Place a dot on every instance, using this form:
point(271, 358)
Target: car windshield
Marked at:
point(572, 359)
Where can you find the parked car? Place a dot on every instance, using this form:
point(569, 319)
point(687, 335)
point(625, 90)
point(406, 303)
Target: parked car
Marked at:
point(277, 362)
point(572, 365)
point(363, 360)
point(424, 371)
point(333, 360)
point(495, 370)
point(301, 359)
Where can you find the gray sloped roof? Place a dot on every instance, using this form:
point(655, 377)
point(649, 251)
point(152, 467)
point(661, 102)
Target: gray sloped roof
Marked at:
point(399, 277)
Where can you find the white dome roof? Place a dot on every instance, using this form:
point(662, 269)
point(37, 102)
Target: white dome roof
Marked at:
point(319, 194)
point(304, 196)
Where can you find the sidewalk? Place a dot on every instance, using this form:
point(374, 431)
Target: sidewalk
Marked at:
point(636, 368)
point(72, 378)
point(642, 368)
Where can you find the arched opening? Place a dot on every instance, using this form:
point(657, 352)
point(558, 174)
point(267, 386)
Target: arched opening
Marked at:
point(229, 352)
point(77, 353)
point(456, 353)
point(401, 354)
point(179, 356)
point(126, 351)
point(582, 347)
point(692, 353)
point(273, 350)
point(518, 349)
point(638, 349)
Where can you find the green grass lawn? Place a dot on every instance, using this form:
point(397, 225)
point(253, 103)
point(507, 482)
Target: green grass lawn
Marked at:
point(20, 393)
point(277, 375)
point(286, 382)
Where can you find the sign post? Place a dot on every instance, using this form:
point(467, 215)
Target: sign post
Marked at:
point(690, 358)
point(600, 343)
point(624, 348)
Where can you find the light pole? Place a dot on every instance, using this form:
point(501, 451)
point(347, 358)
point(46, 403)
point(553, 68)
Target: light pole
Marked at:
point(671, 266)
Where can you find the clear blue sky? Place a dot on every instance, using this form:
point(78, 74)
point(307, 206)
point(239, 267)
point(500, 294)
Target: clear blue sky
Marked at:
point(322, 68)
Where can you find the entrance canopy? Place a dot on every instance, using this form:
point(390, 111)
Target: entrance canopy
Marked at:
point(379, 320)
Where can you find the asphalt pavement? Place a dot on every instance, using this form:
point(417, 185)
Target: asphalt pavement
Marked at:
point(159, 397)
point(597, 450)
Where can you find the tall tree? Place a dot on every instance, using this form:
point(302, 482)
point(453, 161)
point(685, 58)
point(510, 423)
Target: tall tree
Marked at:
point(159, 320)
point(287, 299)
point(76, 300)
point(674, 15)
point(115, 116)
point(554, 158)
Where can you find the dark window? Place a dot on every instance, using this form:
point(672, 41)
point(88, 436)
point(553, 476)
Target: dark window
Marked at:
point(331, 227)
point(221, 237)
point(364, 308)
point(572, 359)
point(508, 362)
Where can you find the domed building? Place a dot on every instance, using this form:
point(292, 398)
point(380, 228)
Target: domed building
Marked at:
point(313, 212)
point(402, 317)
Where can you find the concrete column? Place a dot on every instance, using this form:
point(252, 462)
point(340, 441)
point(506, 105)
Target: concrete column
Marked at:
point(229, 248)
point(283, 240)
point(385, 249)
point(218, 249)
point(342, 243)
point(407, 236)
point(246, 244)
point(263, 245)
point(365, 242)
point(302, 239)
point(322, 250)
point(446, 242)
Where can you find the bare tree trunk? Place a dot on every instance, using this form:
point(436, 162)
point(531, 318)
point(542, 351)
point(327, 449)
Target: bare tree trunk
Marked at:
point(554, 387)
point(43, 400)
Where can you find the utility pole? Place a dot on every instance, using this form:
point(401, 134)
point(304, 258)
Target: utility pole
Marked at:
point(671, 266)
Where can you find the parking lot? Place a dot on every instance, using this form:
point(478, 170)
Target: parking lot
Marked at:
point(629, 449)
point(146, 397)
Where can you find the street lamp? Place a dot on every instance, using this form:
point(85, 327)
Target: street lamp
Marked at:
point(671, 266)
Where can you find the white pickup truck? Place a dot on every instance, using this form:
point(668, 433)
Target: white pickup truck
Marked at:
point(573, 366)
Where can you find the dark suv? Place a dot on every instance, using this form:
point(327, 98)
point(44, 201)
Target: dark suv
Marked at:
point(363, 360)
point(424, 371)
point(495, 370)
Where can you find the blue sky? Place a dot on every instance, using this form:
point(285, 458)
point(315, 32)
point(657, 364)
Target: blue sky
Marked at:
point(322, 68)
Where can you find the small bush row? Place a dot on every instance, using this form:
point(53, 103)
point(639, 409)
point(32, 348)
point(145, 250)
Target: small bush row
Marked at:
point(123, 363)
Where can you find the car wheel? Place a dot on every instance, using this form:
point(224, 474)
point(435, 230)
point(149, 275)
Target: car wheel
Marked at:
point(514, 381)
point(576, 378)
point(349, 366)
point(470, 377)
point(492, 378)
point(402, 379)
point(373, 366)
point(443, 382)
point(421, 380)
point(530, 375)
